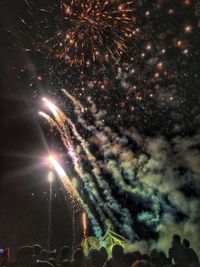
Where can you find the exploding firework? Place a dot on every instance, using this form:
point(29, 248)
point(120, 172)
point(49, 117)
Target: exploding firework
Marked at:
point(138, 179)
point(91, 31)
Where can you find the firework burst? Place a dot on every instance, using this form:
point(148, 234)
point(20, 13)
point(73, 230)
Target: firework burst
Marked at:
point(91, 31)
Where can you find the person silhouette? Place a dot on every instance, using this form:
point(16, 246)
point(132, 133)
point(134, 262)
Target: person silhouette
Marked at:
point(96, 258)
point(177, 252)
point(37, 250)
point(79, 259)
point(64, 254)
point(193, 258)
point(118, 259)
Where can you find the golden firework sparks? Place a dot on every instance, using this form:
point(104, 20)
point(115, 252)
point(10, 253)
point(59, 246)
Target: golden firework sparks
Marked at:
point(91, 31)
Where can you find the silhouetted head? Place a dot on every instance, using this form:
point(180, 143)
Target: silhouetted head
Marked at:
point(64, 252)
point(145, 257)
point(162, 255)
point(78, 254)
point(186, 243)
point(37, 249)
point(117, 252)
point(96, 257)
point(52, 254)
point(44, 255)
point(137, 255)
point(176, 238)
point(104, 254)
point(154, 253)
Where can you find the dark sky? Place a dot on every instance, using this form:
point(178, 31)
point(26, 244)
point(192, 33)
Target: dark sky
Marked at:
point(24, 216)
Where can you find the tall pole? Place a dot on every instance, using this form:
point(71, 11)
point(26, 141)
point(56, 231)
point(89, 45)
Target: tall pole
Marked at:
point(74, 221)
point(73, 228)
point(50, 178)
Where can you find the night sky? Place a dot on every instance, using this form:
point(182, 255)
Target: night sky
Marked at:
point(23, 218)
point(150, 101)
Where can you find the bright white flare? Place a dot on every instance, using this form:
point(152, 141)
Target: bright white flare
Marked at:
point(63, 176)
point(44, 115)
point(57, 167)
point(53, 109)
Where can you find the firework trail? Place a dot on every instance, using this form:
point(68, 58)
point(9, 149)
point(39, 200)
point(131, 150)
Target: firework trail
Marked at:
point(64, 129)
point(115, 168)
point(64, 178)
point(144, 179)
point(93, 105)
point(73, 193)
point(111, 203)
point(74, 100)
point(79, 36)
point(60, 118)
point(60, 124)
point(90, 186)
point(79, 110)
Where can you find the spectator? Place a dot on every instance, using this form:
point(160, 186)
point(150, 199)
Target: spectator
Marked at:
point(118, 259)
point(37, 249)
point(44, 255)
point(104, 254)
point(177, 252)
point(145, 257)
point(193, 258)
point(52, 254)
point(180, 255)
point(163, 259)
point(96, 258)
point(137, 255)
point(154, 258)
point(64, 254)
point(79, 260)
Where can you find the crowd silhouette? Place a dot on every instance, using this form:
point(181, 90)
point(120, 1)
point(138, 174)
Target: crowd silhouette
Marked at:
point(180, 254)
